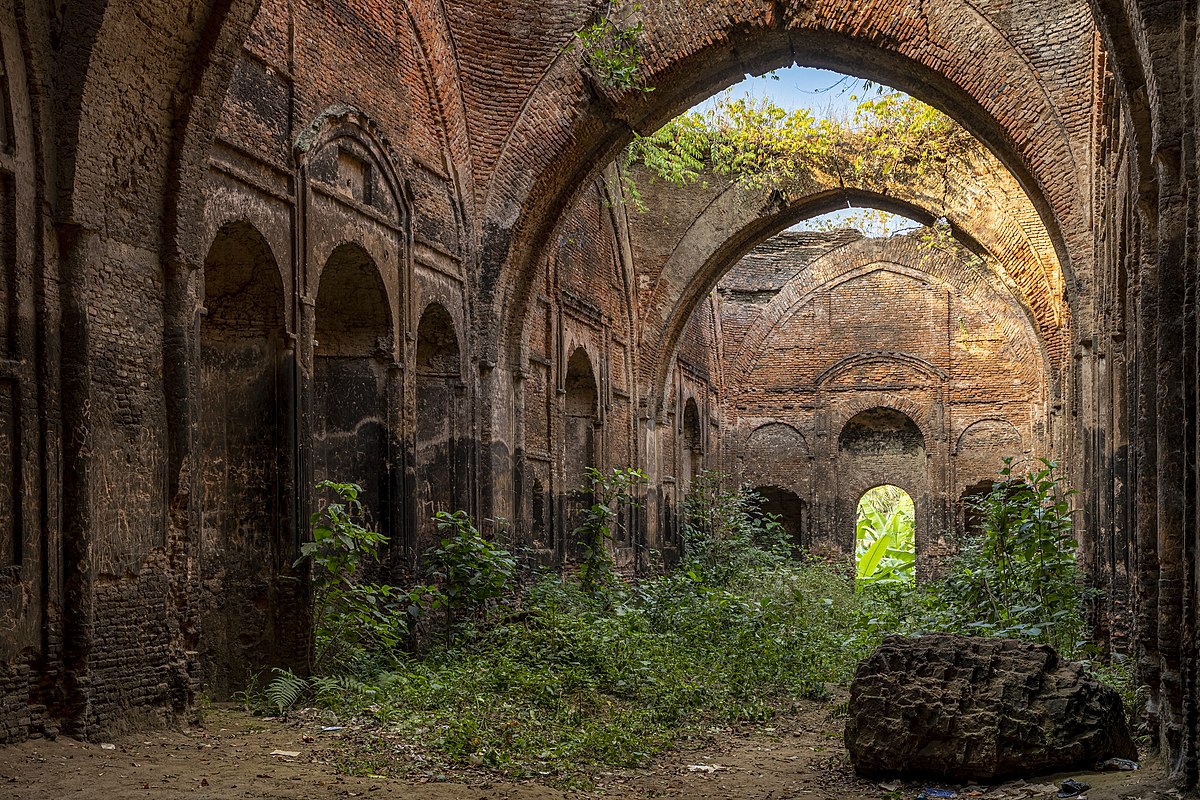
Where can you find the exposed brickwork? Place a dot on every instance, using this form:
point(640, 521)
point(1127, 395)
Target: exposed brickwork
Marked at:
point(829, 336)
point(459, 152)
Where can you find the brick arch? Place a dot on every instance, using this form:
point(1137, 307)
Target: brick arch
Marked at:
point(777, 430)
point(850, 363)
point(844, 412)
point(352, 301)
point(786, 428)
point(347, 123)
point(993, 422)
point(173, 78)
point(1017, 243)
point(936, 53)
point(245, 465)
point(875, 485)
point(259, 282)
point(799, 293)
point(849, 263)
point(439, 343)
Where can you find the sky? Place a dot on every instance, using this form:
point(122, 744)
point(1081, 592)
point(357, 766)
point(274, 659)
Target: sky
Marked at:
point(824, 94)
point(820, 91)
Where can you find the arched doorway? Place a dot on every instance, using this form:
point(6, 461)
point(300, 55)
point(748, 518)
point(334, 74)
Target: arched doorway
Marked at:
point(877, 447)
point(249, 617)
point(885, 549)
point(580, 420)
point(439, 390)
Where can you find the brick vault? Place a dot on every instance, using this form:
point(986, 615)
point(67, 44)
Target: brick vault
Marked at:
point(252, 243)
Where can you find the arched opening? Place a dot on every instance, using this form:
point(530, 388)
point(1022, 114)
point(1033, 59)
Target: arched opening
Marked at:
point(439, 392)
point(877, 447)
point(692, 445)
point(246, 532)
point(885, 549)
point(351, 424)
point(791, 511)
point(580, 421)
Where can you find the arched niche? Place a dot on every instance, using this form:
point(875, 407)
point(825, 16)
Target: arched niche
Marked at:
point(247, 534)
point(581, 416)
point(883, 433)
point(990, 438)
point(775, 453)
point(439, 387)
point(351, 422)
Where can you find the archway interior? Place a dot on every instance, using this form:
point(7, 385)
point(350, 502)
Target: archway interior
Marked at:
point(795, 173)
point(885, 549)
point(439, 377)
point(351, 423)
point(243, 433)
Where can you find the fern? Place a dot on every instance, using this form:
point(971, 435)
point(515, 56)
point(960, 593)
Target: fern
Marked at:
point(334, 688)
point(286, 689)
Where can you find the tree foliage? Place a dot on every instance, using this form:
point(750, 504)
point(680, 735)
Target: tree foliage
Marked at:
point(609, 493)
point(352, 615)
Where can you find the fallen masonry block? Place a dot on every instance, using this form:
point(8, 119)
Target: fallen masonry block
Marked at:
point(960, 708)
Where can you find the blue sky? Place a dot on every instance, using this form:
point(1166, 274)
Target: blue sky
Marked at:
point(824, 94)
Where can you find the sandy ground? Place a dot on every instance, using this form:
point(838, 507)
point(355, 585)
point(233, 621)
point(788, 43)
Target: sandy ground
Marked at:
point(230, 758)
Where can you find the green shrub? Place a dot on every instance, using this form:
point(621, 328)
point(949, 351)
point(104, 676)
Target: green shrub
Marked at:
point(725, 531)
point(610, 493)
point(471, 572)
point(351, 617)
point(1017, 578)
point(609, 47)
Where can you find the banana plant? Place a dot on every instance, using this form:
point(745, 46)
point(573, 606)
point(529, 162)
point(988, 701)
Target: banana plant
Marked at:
point(885, 550)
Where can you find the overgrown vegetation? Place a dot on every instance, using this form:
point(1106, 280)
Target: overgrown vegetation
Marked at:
point(352, 615)
point(609, 495)
point(609, 48)
point(1018, 577)
point(560, 675)
point(760, 145)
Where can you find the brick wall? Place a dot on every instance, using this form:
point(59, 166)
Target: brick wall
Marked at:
point(826, 335)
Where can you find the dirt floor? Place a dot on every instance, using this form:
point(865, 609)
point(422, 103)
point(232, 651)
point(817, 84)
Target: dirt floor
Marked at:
point(236, 755)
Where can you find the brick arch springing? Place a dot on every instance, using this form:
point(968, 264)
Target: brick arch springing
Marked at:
point(934, 53)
